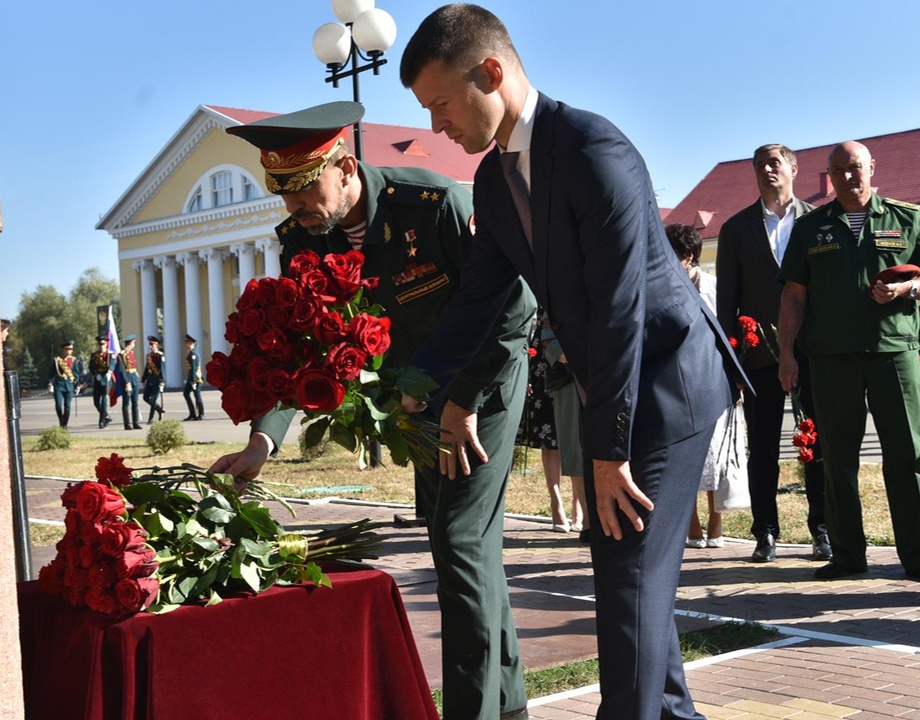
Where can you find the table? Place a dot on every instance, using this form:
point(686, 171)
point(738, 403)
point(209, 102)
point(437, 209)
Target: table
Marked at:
point(289, 653)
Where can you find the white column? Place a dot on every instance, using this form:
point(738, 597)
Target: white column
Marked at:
point(172, 324)
point(193, 318)
point(217, 313)
point(148, 302)
point(246, 252)
point(271, 249)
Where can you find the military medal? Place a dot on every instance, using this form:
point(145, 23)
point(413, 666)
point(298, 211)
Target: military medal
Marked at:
point(411, 250)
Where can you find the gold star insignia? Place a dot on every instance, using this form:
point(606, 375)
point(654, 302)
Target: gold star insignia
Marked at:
point(411, 250)
point(424, 194)
point(284, 230)
point(434, 197)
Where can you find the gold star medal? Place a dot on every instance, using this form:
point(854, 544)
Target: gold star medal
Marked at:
point(411, 250)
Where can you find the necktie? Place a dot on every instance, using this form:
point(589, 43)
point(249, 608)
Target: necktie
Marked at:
point(519, 192)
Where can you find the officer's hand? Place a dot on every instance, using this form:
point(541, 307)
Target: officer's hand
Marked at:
point(459, 430)
point(246, 464)
point(789, 374)
point(616, 490)
point(884, 293)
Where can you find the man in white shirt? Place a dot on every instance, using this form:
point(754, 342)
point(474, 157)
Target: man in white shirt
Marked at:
point(750, 250)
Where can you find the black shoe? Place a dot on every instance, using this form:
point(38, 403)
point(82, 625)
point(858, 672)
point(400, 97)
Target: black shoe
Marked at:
point(101, 424)
point(766, 549)
point(160, 413)
point(200, 417)
point(832, 571)
point(190, 417)
point(584, 535)
point(138, 427)
point(106, 422)
point(515, 715)
point(128, 427)
point(821, 548)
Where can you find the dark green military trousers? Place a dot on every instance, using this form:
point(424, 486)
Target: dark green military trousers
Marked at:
point(890, 383)
point(480, 658)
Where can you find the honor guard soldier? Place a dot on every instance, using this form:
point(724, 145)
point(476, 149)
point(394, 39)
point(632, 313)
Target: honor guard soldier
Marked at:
point(193, 380)
point(63, 382)
point(126, 367)
point(154, 378)
point(101, 366)
point(415, 229)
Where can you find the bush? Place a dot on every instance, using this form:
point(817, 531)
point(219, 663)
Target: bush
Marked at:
point(165, 436)
point(54, 438)
point(310, 448)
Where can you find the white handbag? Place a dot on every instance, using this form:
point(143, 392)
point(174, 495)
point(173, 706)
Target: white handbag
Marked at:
point(732, 489)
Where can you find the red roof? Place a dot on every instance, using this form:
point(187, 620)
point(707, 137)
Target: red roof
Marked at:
point(730, 186)
point(393, 146)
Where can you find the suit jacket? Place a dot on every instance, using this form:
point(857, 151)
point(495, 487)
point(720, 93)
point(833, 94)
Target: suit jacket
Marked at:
point(633, 327)
point(747, 270)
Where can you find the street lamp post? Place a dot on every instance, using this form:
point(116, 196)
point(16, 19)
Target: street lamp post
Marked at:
point(364, 34)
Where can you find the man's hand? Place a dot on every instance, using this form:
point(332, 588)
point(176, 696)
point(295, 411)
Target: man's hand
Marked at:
point(884, 293)
point(246, 464)
point(459, 429)
point(614, 488)
point(411, 405)
point(789, 373)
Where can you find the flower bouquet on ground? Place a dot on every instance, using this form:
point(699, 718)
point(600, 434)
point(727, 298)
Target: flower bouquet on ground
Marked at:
point(312, 342)
point(140, 542)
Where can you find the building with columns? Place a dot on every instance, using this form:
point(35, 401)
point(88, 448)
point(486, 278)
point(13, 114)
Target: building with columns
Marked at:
point(198, 224)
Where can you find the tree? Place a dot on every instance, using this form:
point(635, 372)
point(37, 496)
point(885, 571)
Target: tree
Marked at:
point(29, 376)
point(47, 319)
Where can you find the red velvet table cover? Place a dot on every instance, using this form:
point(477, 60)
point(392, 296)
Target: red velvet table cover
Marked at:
point(289, 653)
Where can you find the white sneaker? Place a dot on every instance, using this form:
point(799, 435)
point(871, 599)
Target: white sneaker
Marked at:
point(696, 542)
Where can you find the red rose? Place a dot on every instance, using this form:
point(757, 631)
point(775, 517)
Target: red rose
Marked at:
point(256, 373)
point(113, 470)
point(259, 404)
point(286, 293)
point(317, 283)
point(72, 522)
point(370, 333)
point(278, 386)
point(97, 501)
point(89, 555)
point(232, 331)
point(251, 322)
point(102, 601)
point(136, 594)
point(302, 263)
point(218, 370)
point(233, 399)
point(137, 562)
point(91, 532)
point(304, 313)
point(345, 270)
point(284, 352)
point(279, 316)
point(120, 536)
point(317, 390)
point(249, 296)
point(51, 577)
point(751, 339)
point(329, 328)
point(241, 355)
point(69, 496)
point(101, 576)
point(345, 361)
point(270, 340)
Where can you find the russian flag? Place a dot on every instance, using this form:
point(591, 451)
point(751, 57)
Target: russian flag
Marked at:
point(117, 388)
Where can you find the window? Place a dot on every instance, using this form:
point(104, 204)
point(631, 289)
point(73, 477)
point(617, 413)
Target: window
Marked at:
point(194, 205)
point(250, 191)
point(221, 189)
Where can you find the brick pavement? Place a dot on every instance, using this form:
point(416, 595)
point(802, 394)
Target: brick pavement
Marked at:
point(850, 648)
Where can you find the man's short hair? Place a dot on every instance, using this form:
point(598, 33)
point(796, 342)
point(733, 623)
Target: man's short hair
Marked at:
point(4, 324)
point(456, 34)
point(685, 240)
point(787, 154)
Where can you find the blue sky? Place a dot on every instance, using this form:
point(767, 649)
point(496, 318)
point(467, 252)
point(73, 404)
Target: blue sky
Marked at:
point(91, 92)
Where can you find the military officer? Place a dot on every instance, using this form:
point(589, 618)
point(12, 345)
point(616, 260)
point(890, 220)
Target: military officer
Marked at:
point(126, 367)
point(154, 378)
point(193, 380)
point(415, 229)
point(861, 335)
point(63, 382)
point(101, 366)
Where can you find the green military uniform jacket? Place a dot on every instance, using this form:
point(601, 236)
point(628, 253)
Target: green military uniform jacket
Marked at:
point(154, 370)
point(193, 367)
point(419, 236)
point(838, 269)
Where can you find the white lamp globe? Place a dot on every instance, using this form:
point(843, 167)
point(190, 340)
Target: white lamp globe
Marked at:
point(374, 30)
point(332, 43)
point(348, 10)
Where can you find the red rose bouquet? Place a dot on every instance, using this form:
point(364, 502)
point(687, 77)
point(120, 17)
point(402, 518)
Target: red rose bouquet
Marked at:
point(142, 543)
point(312, 342)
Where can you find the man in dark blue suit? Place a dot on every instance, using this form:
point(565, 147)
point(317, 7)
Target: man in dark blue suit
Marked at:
point(644, 349)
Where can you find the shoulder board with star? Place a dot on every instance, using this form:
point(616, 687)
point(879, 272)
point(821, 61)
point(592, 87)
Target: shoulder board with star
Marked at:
point(900, 203)
point(286, 228)
point(405, 193)
point(811, 212)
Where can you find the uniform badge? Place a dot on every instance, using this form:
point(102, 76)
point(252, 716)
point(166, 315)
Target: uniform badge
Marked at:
point(411, 250)
point(387, 233)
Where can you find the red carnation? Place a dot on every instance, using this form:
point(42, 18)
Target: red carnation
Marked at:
point(748, 324)
point(532, 352)
point(807, 425)
point(317, 390)
point(733, 341)
point(806, 455)
point(113, 470)
point(751, 339)
point(370, 333)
